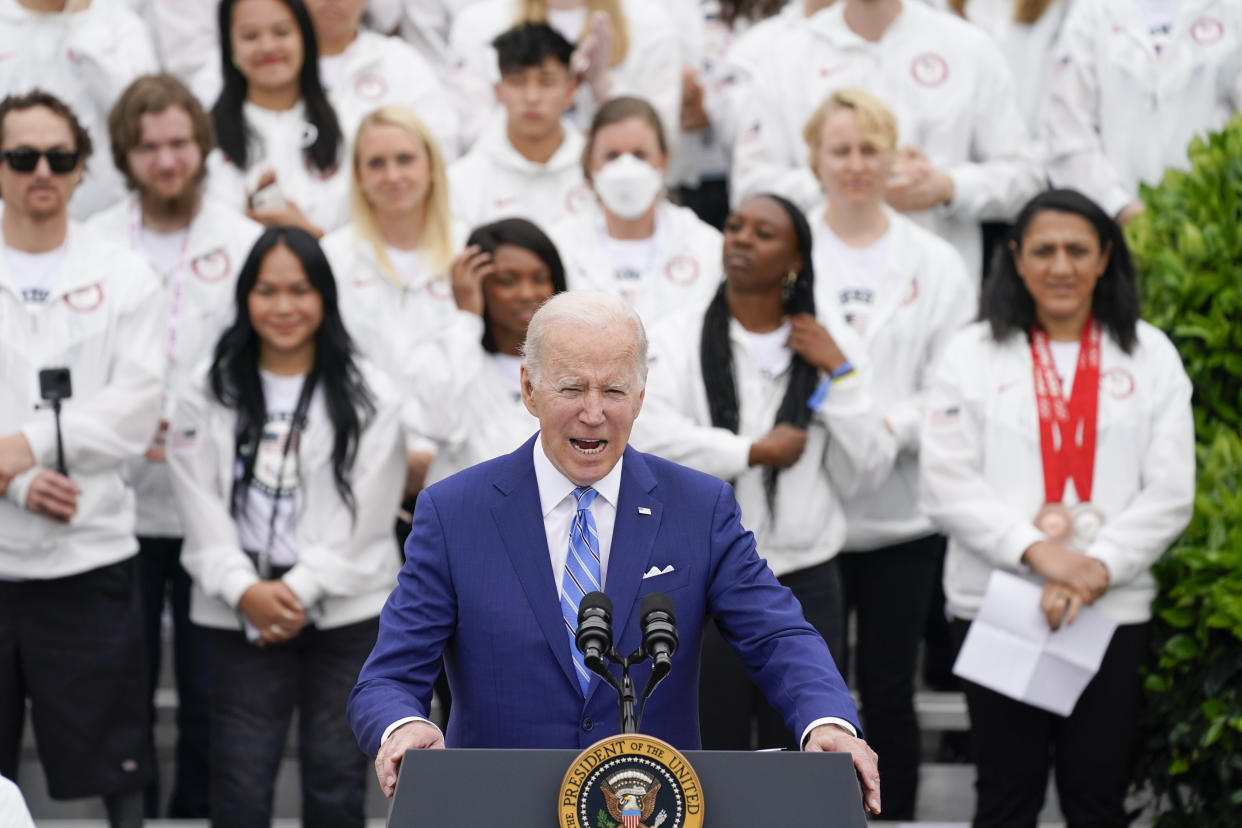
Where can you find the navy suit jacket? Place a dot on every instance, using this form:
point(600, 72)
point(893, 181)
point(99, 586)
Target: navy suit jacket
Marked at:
point(478, 589)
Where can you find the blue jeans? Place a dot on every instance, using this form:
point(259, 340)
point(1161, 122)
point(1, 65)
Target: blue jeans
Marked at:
point(254, 691)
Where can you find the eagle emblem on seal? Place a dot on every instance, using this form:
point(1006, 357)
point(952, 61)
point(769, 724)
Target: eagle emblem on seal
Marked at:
point(630, 796)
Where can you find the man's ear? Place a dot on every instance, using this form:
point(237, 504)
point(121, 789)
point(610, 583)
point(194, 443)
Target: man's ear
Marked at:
point(528, 391)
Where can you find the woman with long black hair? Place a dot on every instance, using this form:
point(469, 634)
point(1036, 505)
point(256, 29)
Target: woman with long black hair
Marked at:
point(281, 146)
point(288, 462)
point(1058, 446)
point(760, 391)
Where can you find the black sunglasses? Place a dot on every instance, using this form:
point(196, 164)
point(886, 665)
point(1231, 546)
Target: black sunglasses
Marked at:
point(25, 159)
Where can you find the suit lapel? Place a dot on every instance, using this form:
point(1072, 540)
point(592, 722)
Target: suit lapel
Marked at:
point(519, 520)
point(633, 536)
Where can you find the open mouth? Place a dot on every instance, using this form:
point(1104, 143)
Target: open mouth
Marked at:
point(588, 446)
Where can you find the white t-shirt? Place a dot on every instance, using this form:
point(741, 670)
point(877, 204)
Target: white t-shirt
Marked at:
point(163, 250)
point(858, 273)
point(1065, 359)
point(1160, 16)
point(510, 370)
point(34, 273)
point(405, 263)
point(632, 260)
point(768, 350)
point(275, 483)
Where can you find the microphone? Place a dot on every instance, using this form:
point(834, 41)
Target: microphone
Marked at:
point(594, 636)
point(659, 624)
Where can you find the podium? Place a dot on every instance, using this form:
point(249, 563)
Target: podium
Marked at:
point(519, 788)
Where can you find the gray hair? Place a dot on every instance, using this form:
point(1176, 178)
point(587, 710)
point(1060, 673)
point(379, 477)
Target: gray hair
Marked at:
point(585, 309)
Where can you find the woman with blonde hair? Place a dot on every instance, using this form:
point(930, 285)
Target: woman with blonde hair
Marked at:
point(904, 292)
point(622, 47)
point(392, 259)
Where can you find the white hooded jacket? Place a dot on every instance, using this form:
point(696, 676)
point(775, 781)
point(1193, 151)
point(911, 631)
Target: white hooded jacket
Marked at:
point(86, 59)
point(1118, 113)
point(982, 469)
point(918, 308)
point(200, 294)
point(685, 268)
point(950, 89)
point(347, 562)
point(848, 449)
point(494, 181)
point(105, 320)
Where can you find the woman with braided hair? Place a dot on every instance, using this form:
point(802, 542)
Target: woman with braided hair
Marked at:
point(758, 390)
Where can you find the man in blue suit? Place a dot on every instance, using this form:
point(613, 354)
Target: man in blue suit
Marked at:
point(494, 589)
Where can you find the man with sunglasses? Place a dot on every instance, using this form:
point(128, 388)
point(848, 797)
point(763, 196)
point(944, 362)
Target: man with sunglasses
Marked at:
point(71, 637)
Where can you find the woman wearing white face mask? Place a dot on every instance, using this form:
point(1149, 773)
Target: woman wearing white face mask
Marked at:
point(634, 243)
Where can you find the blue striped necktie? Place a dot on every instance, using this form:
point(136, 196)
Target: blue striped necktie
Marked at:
point(581, 573)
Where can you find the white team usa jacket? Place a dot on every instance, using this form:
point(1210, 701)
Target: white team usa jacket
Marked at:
point(86, 59)
point(982, 470)
point(685, 269)
point(386, 319)
point(200, 295)
point(468, 413)
point(493, 181)
point(279, 141)
point(347, 563)
point(922, 300)
point(946, 82)
point(104, 320)
point(848, 449)
point(1119, 113)
point(386, 71)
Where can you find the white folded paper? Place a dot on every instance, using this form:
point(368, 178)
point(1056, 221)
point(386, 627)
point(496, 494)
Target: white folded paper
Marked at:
point(1010, 649)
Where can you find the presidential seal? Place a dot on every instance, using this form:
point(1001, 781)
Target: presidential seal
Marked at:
point(631, 781)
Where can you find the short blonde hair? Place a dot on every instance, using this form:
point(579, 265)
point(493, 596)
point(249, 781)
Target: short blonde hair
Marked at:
point(436, 242)
point(536, 11)
point(875, 119)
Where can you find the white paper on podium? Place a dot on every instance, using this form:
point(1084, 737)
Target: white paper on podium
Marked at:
point(1010, 649)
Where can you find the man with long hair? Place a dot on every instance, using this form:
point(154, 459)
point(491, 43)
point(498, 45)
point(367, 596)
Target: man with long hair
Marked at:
point(160, 136)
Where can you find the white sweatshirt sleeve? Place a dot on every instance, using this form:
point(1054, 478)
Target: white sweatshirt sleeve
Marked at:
point(953, 491)
point(1131, 541)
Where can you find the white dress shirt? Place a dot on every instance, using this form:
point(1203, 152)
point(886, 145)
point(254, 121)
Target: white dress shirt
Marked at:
point(556, 499)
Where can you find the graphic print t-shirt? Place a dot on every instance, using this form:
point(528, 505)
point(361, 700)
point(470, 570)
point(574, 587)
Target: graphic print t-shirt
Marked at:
point(275, 484)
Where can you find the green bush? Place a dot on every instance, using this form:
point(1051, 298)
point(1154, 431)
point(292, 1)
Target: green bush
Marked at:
point(1188, 250)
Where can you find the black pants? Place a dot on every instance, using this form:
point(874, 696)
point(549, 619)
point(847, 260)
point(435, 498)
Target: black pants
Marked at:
point(889, 589)
point(729, 703)
point(1090, 750)
point(74, 645)
point(161, 577)
point(254, 691)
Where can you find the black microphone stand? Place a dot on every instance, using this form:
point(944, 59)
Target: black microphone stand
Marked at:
point(627, 695)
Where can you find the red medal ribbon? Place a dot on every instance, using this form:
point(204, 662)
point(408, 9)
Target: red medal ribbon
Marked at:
point(1067, 430)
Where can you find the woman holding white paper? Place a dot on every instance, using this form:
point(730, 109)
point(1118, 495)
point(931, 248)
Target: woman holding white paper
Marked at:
point(1058, 444)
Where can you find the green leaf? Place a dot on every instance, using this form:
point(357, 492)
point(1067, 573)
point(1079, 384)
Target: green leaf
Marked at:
point(1181, 647)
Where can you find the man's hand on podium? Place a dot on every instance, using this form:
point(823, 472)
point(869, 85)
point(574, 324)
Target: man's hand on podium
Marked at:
point(834, 739)
point(414, 735)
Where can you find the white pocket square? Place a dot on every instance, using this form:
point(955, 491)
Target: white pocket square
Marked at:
point(655, 570)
